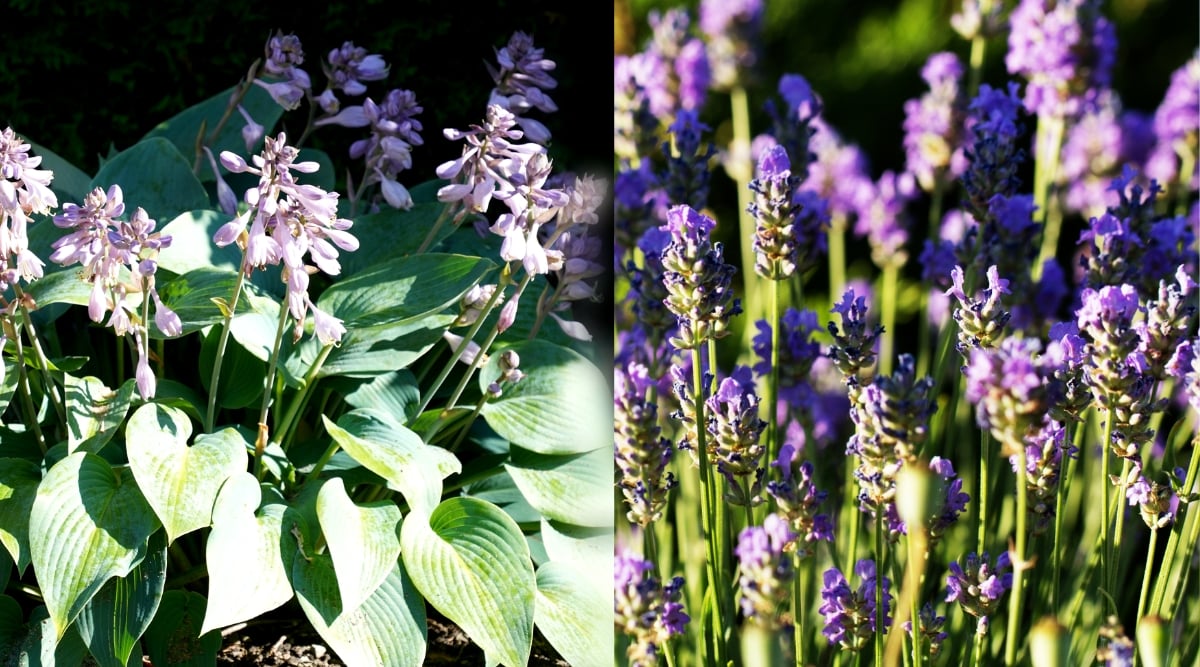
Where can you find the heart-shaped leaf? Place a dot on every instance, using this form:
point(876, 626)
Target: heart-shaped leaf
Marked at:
point(470, 561)
point(89, 523)
point(180, 482)
point(246, 572)
point(155, 176)
point(573, 488)
point(574, 612)
point(363, 541)
point(122, 609)
point(396, 454)
point(388, 628)
point(560, 407)
point(173, 637)
point(19, 480)
point(94, 411)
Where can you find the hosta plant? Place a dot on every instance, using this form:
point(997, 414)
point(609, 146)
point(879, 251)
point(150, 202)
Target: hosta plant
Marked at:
point(231, 379)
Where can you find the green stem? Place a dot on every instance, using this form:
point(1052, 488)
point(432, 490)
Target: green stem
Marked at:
point(437, 226)
point(1141, 608)
point(221, 343)
point(775, 443)
point(799, 610)
point(1050, 139)
point(260, 443)
point(324, 460)
point(985, 456)
point(1018, 562)
point(1105, 520)
point(741, 171)
point(462, 432)
point(1073, 431)
point(977, 646)
point(891, 276)
point(43, 361)
point(1177, 598)
point(301, 398)
point(543, 309)
point(837, 257)
point(1119, 507)
point(1187, 164)
point(26, 395)
point(879, 557)
point(978, 49)
point(1169, 559)
point(707, 510)
point(924, 327)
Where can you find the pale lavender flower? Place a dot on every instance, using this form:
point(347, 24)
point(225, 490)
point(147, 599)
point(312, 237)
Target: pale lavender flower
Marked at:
point(521, 80)
point(734, 431)
point(776, 247)
point(1096, 147)
point(646, 610)
point(995, 157)
point(882, 218)
point(798, 499)
point(797, 352)
point(933, 124)
point(971, 21)
point(687, 174)
point(850, 614)
point(1066, 51)
point(953, 504)
point(531, 203)
point(691, 67)
point(766, 571)
point(1154, 500)
point(839, 173)
point(490, 161)
point(1045, 454)
point(1010, 387)
point(1169, 319)
point(349, 66)
point(1177, 126)
point(980, 320)
point(388, 151)
point(24, 190)
point(284, 56)
point(733, 29)
point(977, 584)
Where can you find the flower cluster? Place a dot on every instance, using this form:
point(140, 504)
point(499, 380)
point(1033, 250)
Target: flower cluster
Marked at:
point(646, 610)
point(1012, 390)
point(734, 430)
point(980, 320)
point(284, 222)
point(521, 79)
point(766, 569)
point(642, 453)
point(346, 69)
point(1066, 51)
point(797, 353)
point(931, 633)
point(698, 280)
point(932, 123)
point(1046, 452)
point(977, 585)
point(850, 614)
point(104, 246)
point(24, 190)
point(995, 157)
point(388, 151)
point(687, 174)
point(853, 350)
point(284, 56)
point(732, 28)
point(797, 497)
point(1177, 128)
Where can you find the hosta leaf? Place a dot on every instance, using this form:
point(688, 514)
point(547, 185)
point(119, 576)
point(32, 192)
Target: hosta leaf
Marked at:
point(469, 560)
point(33, 644)
point(395, 394)
point(94, 411)
point(8, 383)
point(574, 612)
point(403, 290)
point(192, 248)
point(234, 389)
point(89, 523)
point(392, 233)
point(572, 488)
point(396, 454)
point(579, 544)
point(363, 541)
point(370, 351)
point(246, 572)
point(182, 128)
point(173, 638)
point(388, 628)
point(70, 183)
point(180, 482)
point(63, 286)
point(191, 297)
point(19, 480)
point(560, 407)
point(154, 175)
point(122, 609)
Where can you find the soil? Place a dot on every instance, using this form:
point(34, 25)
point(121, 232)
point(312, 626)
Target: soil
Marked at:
point(289, 641)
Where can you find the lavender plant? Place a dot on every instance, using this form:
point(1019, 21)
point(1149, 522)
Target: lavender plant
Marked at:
point(374, 403)
point(1003, 410)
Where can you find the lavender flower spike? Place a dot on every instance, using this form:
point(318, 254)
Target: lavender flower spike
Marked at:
point(1066, 51)
point(933, 124)
point(734, 430)
point(850, 614)
point(766, 570)
point(697, 278)
point(642, 453)
point(775, 242)
point(977, 585)
point(646, 610)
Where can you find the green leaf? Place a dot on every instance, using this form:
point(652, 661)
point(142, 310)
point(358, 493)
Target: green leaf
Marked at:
point(33, 644)
point(392, 233)
point(89, 523)
point(63, 286)
point(396, 454)
point(560, 407)
point(469, 560)
point(363, 541)
point(325, 177)
point(573, 488)
point(394, 394)
point(155, 176)
point(94, 411)
point(183, 128)
point(371, 351)
point(8, 383)
point(70, 183)
point(180, 482)
point(235, 389)
point(192, 248)
point(122, 609)
point(403, 290)
point(191, 297)
point(574, 612)
point(388, 628)
point(173, 637)
point(579, 544)
point(501, 491)
point(246, 572)
point(19, 480)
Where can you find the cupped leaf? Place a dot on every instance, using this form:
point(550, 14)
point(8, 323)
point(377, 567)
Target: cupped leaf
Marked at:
point(89, 523)
point(403, 290)
point(154, 175)
point(396, 454)
point(94, 411)
point(19, 480)
point(469, 560)
point(8, 383)
point(395, 394)
point(246, 572)
point(561, 406)
point(33, 644)
point(180, 482)
point(119, 613)
point(173, 638)
point(183, 128)
point(572, 488)
point(63, 286)
point(363, 541)
point(388, 628)
point(574, 612)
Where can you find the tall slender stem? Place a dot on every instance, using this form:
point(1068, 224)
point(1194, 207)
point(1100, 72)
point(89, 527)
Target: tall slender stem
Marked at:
point(741, 170)
point(1119, 508)
point(487, 344)
point(26, 396)
point(775, 442)
point(1049, 140)
point(1141, 608)
point(985, 457)
point(221, 343)
point(799, 609)
point(707, 511)
point(879, 586)
point(298, 402)
point(1105, 519)
point(260, 443)
point(43, 361)
point(1013, 638)
point(437, 226)
point(891, 276)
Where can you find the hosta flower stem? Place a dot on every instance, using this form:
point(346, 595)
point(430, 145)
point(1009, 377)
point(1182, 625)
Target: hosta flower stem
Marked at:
point(221, 343)
point(43, 361)
point(301, 398)
point(260, 443)
point(483, 349)
point(26, 397)
point(1012, 638)
point(437, 226)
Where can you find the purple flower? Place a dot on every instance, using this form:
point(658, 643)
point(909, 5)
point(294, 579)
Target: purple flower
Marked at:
point(490, 162)
point(854, 342)
point(933, 124)
point(350, 65)
point(796, 353)
point(24, 189)
point(1065, 50)
point(930, 627)
point(994, 157)
point(1045, 453)
point(642, 454)
point(284, 56)
point(635, 120)
point(734, 431)
point(775, 243)
point(694, 74)
point(850, 614)
point(1095, 147)
point(697, 279)
point(1176, 125)
point(1010, 386)
point(794, 128)
point(521, 79)
point(687, 174)
point(733, 29)
point(798, 499)
point(977, 584)
point(649, 612)
point(839, 173)
point(955, 501)
point(881, 217)
point(766, 571)
point(388, 151)
point(980, 320)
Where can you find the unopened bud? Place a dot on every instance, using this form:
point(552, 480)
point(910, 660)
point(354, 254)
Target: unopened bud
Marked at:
point(1049, 643)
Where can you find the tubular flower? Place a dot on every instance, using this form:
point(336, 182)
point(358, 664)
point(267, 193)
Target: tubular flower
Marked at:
point(491, 161)
point(734, 430)
point(775, 242)
point(24, 189)
point(1012, 389)
point(521, 79)
point(1177, 128)
point(980, 321)
point(994, 157)
point(284, 56)
point(388, 151)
